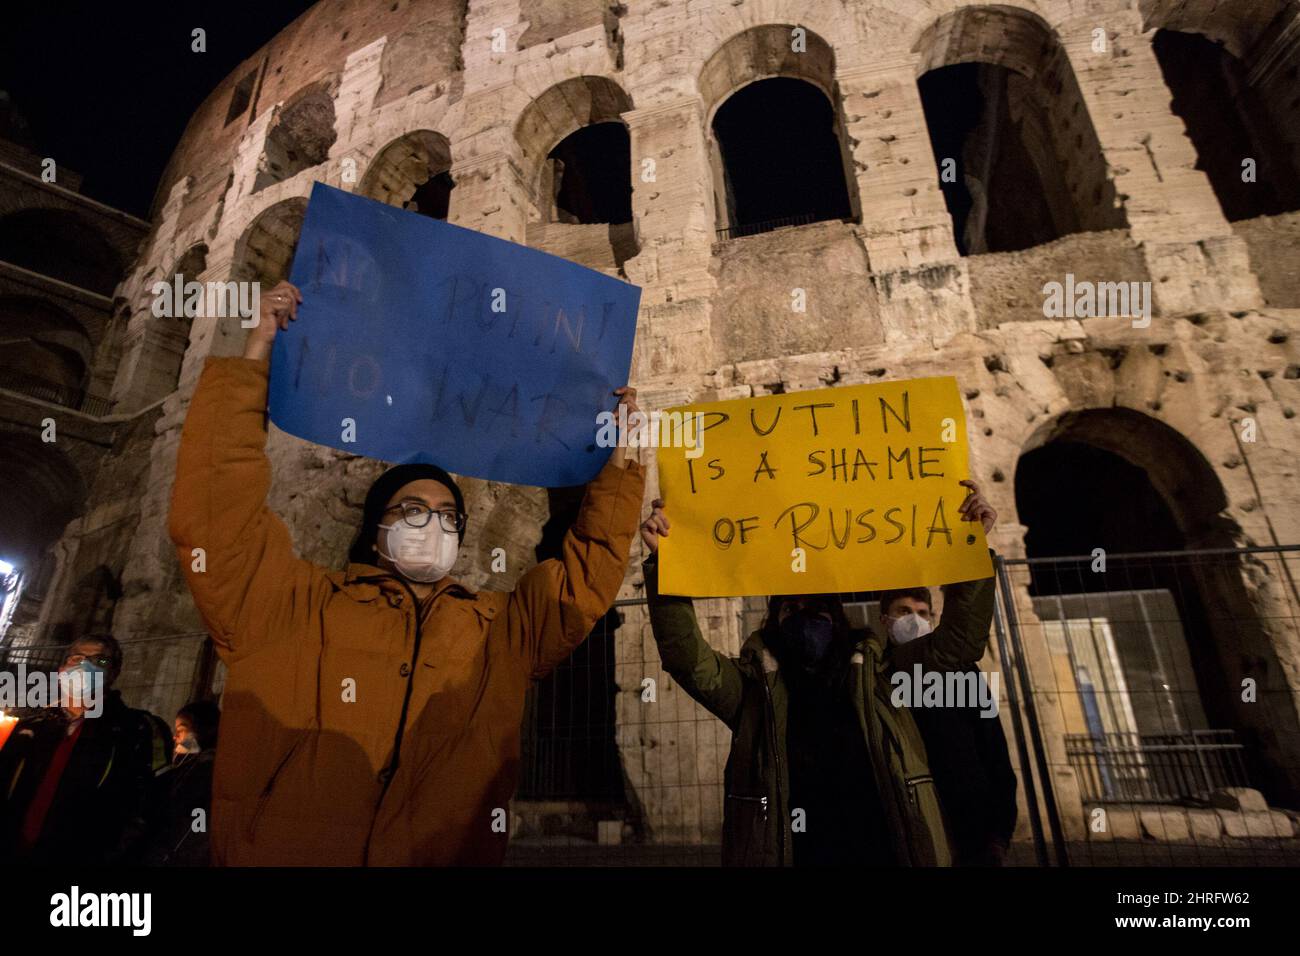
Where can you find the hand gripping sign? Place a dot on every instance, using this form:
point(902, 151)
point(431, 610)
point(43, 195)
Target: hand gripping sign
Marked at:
point(418, 340)
point(838, 489)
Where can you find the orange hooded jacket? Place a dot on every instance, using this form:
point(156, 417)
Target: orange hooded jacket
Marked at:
point(360, 726)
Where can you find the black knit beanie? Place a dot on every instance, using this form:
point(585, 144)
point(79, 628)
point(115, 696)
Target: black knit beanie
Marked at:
point(384, 487)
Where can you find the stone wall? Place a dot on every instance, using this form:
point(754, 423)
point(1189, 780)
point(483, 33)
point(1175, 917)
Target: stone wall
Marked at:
point(887, 295)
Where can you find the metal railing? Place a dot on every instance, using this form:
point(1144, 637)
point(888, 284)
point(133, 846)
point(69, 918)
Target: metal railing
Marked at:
point(47, 391)
point(767, 225)
point(1156, 768)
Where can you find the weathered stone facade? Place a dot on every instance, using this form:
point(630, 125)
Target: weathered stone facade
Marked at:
point(383, 98)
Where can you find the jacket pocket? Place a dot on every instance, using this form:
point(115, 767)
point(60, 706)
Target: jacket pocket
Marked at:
point(265, 797)
point(745, 831)
point(929, 838)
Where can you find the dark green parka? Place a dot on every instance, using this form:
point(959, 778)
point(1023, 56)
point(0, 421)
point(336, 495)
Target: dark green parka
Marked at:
point(748, 694)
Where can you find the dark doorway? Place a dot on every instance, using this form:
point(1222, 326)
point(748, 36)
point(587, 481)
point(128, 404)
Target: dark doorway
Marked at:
point(593, 179)
point(1228, 122)
point(995, 187)
point(433, 197)
point(781, 156)
point(1179, 626)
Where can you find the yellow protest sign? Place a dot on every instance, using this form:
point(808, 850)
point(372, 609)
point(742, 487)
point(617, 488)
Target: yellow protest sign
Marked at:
point(838, 489)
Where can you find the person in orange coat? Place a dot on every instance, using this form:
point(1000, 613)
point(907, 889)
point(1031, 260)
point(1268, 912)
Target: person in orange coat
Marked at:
point(371, 716)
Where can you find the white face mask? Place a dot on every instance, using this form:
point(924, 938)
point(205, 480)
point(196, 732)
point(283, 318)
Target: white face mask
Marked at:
point(908, 628)
point(421, 554)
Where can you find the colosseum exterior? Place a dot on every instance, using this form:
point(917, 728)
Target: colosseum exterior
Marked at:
point(385, 98)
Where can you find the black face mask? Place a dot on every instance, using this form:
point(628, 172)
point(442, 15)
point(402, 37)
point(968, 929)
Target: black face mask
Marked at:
point(805, 641)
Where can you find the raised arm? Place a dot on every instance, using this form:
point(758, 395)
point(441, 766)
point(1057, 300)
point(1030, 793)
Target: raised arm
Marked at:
point(711, 678)
point(557, 603)
point(962, 635)
point(963, 632)
point(237, 556)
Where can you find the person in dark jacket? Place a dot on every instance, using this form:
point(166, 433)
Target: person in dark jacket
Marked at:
point(74, 781)
point(183, 792)
point(967, 748)
point(823, 768)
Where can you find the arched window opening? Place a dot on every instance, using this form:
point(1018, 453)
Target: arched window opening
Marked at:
point(1233, 126)
point(46, 352)
point(591, 175)
point(781, 154)
point(1148, 647)
point(1019, 161)
point(43, 492)
point(577, 164)
point(265, 252)
point(413, 173)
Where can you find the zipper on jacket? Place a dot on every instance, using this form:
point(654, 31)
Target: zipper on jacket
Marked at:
point(885, 783)
point(760, 800)
point(912, 784)
point(776, 757)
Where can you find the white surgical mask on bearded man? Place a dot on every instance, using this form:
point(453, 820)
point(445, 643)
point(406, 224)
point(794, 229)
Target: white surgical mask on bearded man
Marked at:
point(908, 628)
point(421, 554)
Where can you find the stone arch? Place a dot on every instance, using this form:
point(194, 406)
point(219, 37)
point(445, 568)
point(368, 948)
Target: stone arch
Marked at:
point(1234, 79)
point(991, 70)
point(51, 354)
point(63, 245)
point(1216, 620)
point(166, 340)
point(577, 170)
point(44, 490)
point(767, 70)
point(1177, 469)
point(558, 112)
point(412, 172)
point(763, 52)
point(300, 135)
point(1239, 26)
point(264, 253)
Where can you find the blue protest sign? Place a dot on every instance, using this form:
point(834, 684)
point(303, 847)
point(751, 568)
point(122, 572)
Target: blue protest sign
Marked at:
point(441, 344)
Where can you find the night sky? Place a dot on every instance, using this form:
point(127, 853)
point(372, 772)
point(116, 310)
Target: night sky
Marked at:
point(107, 88)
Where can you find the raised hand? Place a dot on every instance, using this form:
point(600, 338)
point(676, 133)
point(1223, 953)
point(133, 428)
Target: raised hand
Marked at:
point(278, 308)
point(656, 526)
point(976, 507)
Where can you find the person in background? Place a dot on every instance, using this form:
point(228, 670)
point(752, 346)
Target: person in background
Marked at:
point(823, 769)
point(183, 792)
point(74, 781)
point(968, 751)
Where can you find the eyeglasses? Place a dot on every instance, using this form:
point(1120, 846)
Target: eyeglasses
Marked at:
point(418, 516)
point(99, 660)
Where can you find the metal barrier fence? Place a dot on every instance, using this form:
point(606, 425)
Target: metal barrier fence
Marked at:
point(1149, 705)
point(1122, 712)
point(1144, 700)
